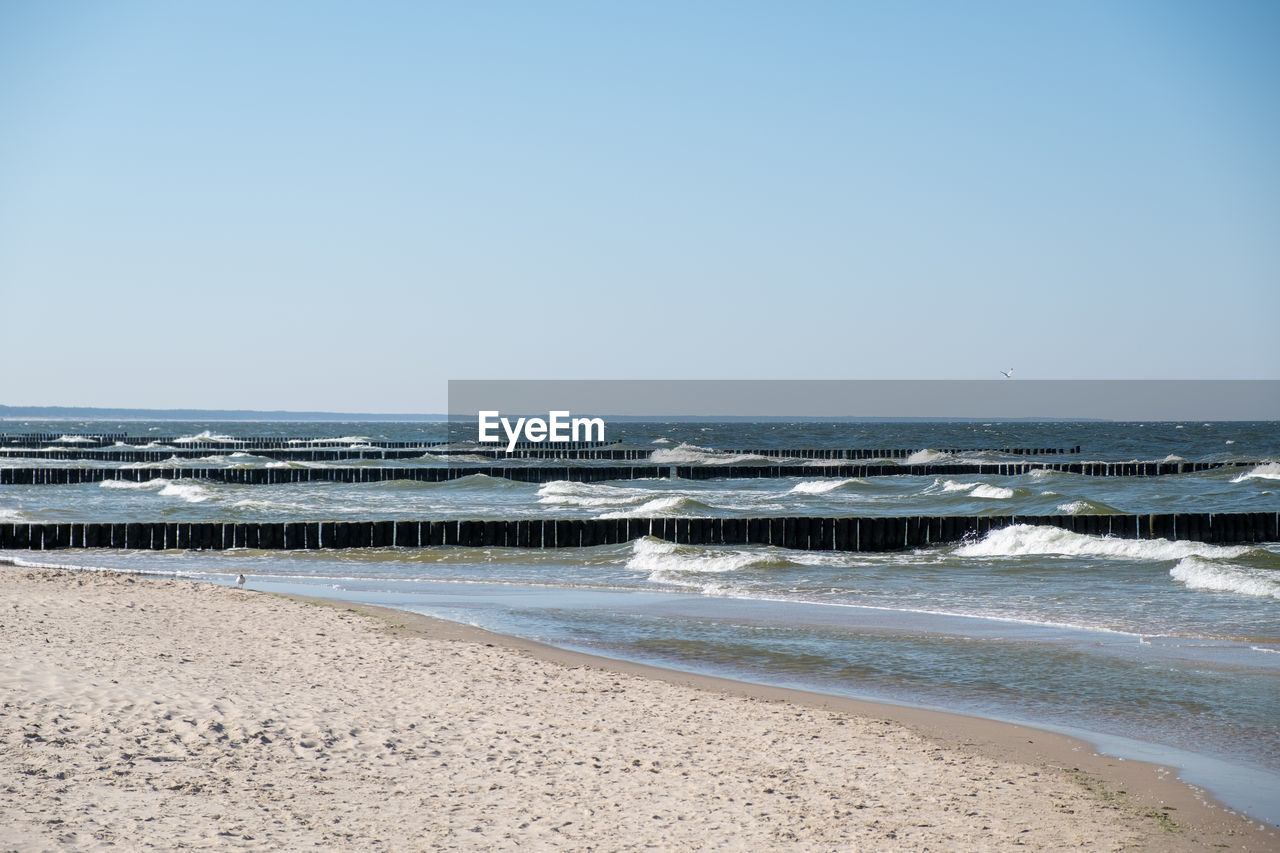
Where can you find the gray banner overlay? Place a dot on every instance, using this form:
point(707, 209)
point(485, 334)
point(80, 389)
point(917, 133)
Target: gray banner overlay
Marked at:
point(1074, 399)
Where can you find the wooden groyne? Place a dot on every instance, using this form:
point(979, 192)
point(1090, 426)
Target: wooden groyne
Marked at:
point(815, 534)
point(49, 441)
point(946, 469)
point(44, 440)
point(295, 454)
point(275, 476)
point(52, 476)
point(767, 452)
point(303, 454)
point(894, 452)
point(63, 452)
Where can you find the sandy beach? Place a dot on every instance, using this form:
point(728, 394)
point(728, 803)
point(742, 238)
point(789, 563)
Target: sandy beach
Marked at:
point(144, 713)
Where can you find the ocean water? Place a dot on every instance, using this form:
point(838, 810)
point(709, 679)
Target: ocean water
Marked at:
point(1164, 651)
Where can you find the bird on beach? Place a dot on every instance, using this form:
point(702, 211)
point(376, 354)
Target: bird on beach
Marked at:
point(1008, 374)
point(240, 581)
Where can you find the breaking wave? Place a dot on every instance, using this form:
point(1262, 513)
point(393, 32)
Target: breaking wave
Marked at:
point(1198, 573)
point(976, 490)
point(664, 507)
point(204, 436)
point(1265, 471)
point(1025, 539)
point(1086, 507)
point(823, 487)
point(187, 491)
point(692, 454)
point(588, 495)
point(687, 565)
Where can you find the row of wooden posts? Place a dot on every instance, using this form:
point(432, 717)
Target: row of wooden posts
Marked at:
point(330, 454)
point(54, 476)
point(821, 534)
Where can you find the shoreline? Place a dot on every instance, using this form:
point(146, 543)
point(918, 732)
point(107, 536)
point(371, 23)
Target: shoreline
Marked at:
point(1150, 785)
point(1054, 775)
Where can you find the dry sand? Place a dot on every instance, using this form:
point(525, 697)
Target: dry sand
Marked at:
point(162, 714)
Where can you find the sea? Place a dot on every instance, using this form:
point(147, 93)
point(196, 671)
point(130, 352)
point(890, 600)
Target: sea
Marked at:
point(1153, 650)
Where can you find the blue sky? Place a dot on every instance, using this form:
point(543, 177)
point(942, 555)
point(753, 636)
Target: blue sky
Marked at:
point(340, 206)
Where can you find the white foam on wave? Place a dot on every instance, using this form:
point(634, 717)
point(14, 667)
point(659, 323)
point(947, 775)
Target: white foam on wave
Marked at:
point(977, 490)
point(1025, 540)
point(1198, 573)
point(131, 484)
point(75, 439)
point(926, 457)
point(205, 436)
point(1265, 471)
point(217, 459)
point(822, 487)
point(661, 441)
point(1074, 508)
point(342, 439)
point(681, 565)
point(983, 490)
point(589, 495)
point(193, 493)
point(294, 463)
point(667, 506)
point(7, 514)
point(682, 453)
point(689, 565)
point(24, 563)
point(187, 491)
point(692, 454)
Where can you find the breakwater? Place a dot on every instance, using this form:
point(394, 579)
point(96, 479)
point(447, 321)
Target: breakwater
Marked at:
point(591, 474)
point(816, 534)
point(400, 450)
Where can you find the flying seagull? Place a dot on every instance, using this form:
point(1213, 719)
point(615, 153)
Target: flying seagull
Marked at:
point(1008, 374)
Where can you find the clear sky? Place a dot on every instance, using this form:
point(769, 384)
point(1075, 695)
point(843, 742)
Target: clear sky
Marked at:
point(339, 206)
